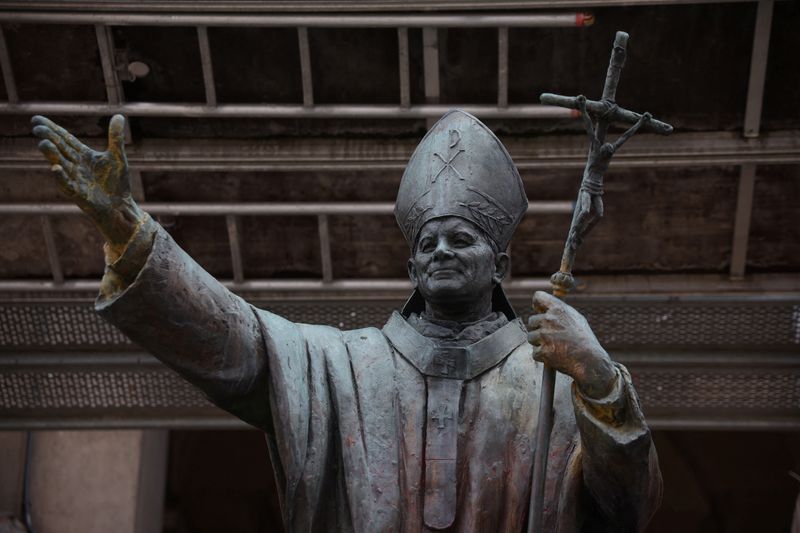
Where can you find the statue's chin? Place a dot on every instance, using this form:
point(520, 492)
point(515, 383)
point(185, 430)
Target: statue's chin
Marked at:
point(451, 291)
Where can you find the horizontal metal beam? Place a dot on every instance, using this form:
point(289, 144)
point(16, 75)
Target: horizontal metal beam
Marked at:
point(259, 209)
point(284, 285)
point(352, 154)
point(654, 373)
point(137, 360)
point(219, 421)
point(361, 111)
point(660, 287)
point(335, 6)
point(461, 20)
point(224, 421)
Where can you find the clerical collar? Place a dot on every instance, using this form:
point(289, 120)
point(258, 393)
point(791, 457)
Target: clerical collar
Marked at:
point(460, 333)
point(448, 360)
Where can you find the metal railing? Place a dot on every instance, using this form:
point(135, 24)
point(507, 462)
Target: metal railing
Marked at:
point(232, 212)
point(116, 103)
point(404, 109)
point(212, 108)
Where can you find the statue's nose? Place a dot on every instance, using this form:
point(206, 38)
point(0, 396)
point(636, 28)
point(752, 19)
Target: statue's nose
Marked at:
point(442, 251)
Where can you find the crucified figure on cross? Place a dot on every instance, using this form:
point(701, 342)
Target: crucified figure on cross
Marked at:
point(589, 205)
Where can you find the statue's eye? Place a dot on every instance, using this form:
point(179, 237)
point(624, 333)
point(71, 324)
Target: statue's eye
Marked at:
point(463, 240)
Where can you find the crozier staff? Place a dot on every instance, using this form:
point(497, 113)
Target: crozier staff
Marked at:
point(426, 424)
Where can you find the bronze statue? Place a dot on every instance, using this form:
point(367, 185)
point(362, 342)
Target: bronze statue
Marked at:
point(424, 425)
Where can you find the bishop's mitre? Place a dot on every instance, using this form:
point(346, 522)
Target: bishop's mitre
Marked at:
point(460, 168)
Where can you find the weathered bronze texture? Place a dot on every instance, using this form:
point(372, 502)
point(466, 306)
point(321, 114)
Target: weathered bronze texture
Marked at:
point(423, 425)
point(588, 212)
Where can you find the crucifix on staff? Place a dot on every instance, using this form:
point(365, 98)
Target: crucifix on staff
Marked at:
point(587, 213)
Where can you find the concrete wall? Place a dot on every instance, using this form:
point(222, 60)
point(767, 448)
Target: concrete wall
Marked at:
point(88, 481)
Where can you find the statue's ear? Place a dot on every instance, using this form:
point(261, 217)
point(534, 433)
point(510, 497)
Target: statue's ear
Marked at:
point(501, 264)
point(413, 275)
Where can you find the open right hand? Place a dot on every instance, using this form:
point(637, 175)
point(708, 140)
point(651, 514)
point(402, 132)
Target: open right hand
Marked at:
point(98, 182)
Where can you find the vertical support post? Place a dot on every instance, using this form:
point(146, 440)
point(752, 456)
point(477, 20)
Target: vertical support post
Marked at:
point(305, 67)
point(741, 225)
point(752, 127)
point(232, 221)
point(106, 48)
point(502, 67)
point(208, 67)
point(52, 251)
point(114, 91)
point(137, 187)
point(8, 72)
point(430, 67)
point(405, 84)
point(758, 68)
point(325, 248)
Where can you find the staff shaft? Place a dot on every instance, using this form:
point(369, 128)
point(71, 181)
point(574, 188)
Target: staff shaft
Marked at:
point(561, 285)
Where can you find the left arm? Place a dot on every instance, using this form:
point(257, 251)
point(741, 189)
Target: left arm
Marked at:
point(633, 129)
point(619, 464)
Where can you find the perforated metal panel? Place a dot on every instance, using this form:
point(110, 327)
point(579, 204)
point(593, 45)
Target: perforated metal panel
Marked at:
point(686, 383)
point(56, 326)
point(722, 324)
point(719, 324)
point(711, 389)
point(149, 391)
point(54, 390)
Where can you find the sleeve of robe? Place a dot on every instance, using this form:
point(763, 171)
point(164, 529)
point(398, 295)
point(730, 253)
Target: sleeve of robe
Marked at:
point(612, 481)
point(264, 369)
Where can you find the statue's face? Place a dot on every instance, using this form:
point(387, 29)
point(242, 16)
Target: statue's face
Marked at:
point(455, 262)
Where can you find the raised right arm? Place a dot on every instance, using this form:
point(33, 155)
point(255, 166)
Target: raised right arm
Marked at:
point(152, 290)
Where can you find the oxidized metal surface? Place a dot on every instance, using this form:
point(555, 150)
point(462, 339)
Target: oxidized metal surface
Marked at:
point(424, 425)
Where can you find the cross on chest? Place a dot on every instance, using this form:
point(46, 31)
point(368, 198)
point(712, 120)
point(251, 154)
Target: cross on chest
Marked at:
point(441, 415)
point(446, 364)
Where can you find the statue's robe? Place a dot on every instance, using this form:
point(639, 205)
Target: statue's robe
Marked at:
point(346, 414)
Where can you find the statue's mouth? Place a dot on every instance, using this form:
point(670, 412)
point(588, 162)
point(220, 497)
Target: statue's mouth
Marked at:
point(444, 273)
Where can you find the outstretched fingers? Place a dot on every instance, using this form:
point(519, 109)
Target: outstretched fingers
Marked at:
point(69, 139)
point(56, 159)
point(45, 133)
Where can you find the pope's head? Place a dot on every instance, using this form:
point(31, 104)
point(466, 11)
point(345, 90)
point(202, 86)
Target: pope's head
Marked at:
point(455, 262)
point(459, 202)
